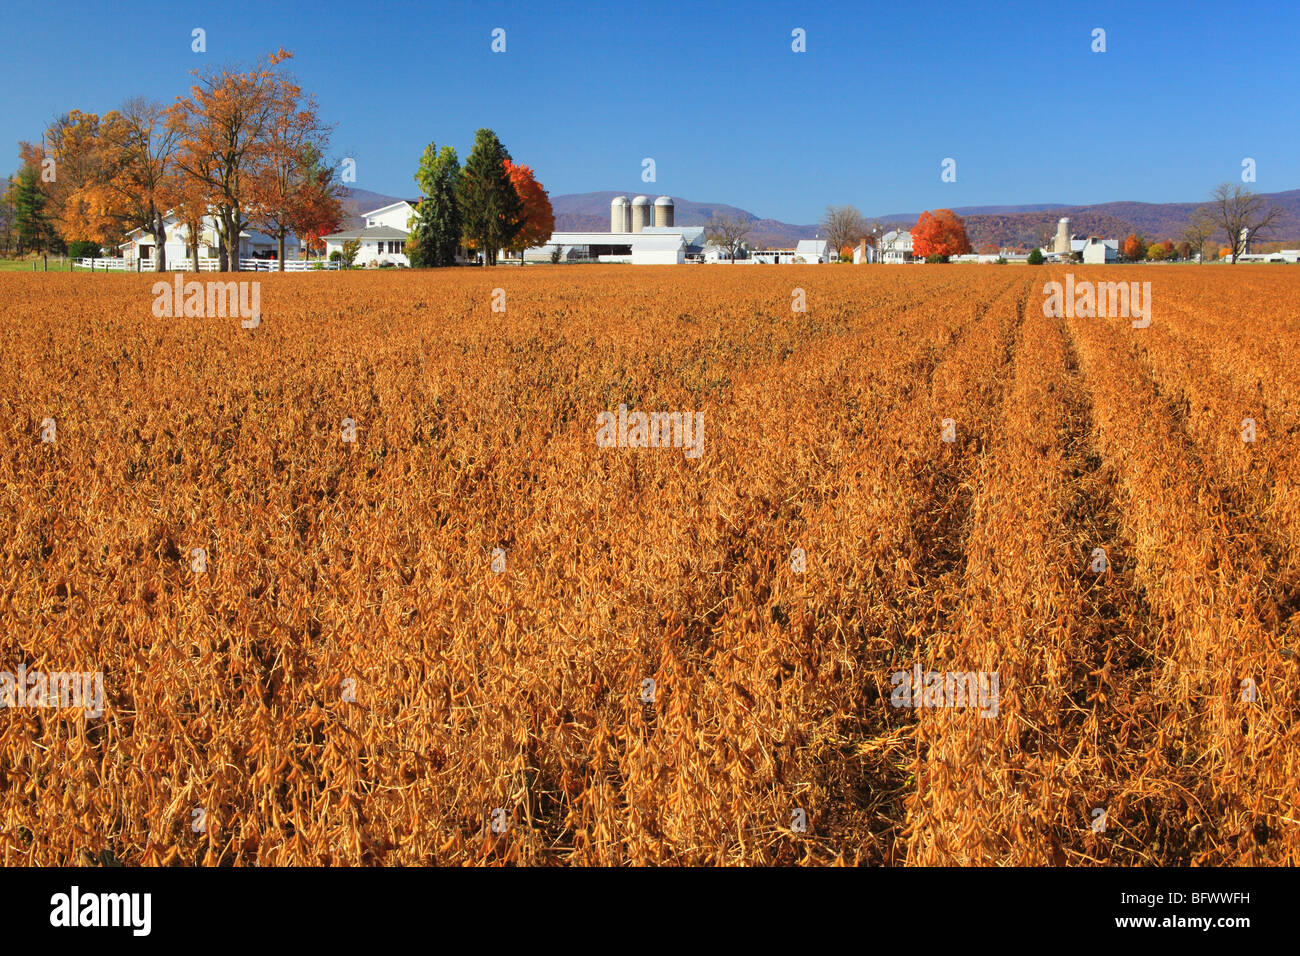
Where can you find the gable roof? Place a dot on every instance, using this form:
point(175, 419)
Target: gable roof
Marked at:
point(391, 205)
point(817, 247)
point(371, 232)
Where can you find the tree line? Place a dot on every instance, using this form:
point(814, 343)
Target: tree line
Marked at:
point(1233, 217)
point(246, 146)
point(489, 205)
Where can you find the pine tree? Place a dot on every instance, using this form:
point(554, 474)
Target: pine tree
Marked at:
point(30, 221)
point(491, 209)
point(437, 226)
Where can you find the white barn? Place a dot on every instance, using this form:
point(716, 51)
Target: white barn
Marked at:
point(1096, 250)
point(654, 245)
point(383, 235)
point(812, 251)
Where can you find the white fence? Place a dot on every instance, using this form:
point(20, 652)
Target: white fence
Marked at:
point(206, 265)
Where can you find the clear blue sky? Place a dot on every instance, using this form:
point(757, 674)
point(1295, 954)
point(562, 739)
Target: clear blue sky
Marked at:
point(714, 93)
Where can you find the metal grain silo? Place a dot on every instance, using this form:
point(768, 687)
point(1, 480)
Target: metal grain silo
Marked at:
point(620, 215)
point(664, 211)
point(640, 213)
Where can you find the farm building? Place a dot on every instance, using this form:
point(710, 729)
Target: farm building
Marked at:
point(252, 244)
point(1097, 251)
point(641, 232)
point(813, 251)
point(1282, 255)
point(383, 237)
point(1093, 249)
point(896, 246)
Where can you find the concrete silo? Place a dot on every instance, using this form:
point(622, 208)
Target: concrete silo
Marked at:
point(620, 215)
point(640, 213)
point(1062, 237)
point(664, 211)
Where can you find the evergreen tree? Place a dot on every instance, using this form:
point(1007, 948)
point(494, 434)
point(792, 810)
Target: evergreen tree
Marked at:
point(30, 221)
point(435, 234)
point(491, 210)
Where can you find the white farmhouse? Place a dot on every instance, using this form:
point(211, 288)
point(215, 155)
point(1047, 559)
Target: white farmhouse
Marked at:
point(252, 244)
point(383, 235)
point(896, 246)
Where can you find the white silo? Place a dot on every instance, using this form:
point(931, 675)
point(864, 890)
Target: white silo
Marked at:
point(664, 211)
point(1062, 237)
point(640, 213)
point(620, 215)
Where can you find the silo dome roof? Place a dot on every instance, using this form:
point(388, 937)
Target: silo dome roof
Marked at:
point(664, 201)
point(618, 201)
point(641, 201)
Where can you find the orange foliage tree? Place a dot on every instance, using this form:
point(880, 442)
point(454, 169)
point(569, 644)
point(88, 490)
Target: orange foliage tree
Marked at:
point(1134, 248)
point(318, 203)
point(539, 218)
point(225, 128)
point(941, 233)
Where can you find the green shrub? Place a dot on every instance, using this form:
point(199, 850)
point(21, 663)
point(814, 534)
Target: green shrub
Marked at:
point(84, 249)
point(935, 257)
point(1035, 257)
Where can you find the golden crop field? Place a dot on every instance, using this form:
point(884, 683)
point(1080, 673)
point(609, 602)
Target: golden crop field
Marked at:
point(462, 628)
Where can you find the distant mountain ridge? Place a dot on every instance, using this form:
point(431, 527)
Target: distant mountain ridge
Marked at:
point(1004, 225)
point(1000, 225)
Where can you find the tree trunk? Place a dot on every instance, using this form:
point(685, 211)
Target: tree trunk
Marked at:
point(232, 238)
point(280, 249)
point(158, 230)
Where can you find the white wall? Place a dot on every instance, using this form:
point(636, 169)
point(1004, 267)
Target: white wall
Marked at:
point(369, 252)
point(398, 217)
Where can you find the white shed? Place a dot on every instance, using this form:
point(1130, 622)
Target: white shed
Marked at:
point(659, 251)
point(1098, 251)
point(812, 250)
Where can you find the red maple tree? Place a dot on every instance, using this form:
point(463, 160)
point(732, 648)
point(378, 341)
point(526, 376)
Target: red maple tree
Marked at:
point(941, 233)
point(539, 218)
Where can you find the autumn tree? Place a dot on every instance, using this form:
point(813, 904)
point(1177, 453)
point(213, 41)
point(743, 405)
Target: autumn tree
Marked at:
point(1241, 215)
point(843, 226)
point(294, 140)
point(491, 210)
point(1200, 227)
point(728, 232)
point(940, 234)
point(436, 226)
point(225, 129)
point(6, 223)
point(538, 217)
point(317, 207)
point(1134, 248)
point(80, 207)
point(139, 184)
